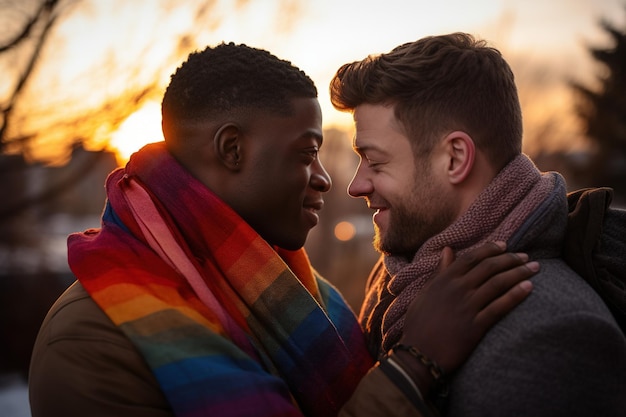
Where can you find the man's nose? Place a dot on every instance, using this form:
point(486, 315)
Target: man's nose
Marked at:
point(360, 186)
point(320, 180)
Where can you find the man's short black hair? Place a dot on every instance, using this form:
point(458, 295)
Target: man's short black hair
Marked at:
point(229, 77)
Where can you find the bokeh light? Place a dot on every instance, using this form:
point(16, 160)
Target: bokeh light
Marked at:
point(345, 231)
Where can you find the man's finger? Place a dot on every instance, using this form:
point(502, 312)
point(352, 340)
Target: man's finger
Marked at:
point(502, 282)
point(501, 306)
point(493, 266)
point(447, 257)
point(466, 262)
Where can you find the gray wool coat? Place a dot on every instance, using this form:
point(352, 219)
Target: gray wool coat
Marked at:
point(560, 353)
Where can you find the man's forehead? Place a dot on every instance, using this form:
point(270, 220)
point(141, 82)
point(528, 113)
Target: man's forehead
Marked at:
point(367, 142)
point(374, 119)
point(374, 116)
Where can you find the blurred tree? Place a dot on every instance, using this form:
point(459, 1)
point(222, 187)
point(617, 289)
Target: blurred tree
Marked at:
point(45, 128)
point(26, 27)
point(602, 109)
point(29, 124)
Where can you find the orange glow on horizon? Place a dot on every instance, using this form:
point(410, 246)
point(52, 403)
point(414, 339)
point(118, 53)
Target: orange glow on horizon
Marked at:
point(140, 128)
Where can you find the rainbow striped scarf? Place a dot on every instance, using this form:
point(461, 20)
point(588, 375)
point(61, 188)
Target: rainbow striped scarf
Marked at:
point(229, 325)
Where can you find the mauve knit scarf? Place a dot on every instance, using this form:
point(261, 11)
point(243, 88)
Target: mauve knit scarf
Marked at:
point(498, 212)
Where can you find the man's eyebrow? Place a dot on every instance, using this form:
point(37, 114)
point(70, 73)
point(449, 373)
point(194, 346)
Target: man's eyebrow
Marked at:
point(313, 134)
point(368, 149)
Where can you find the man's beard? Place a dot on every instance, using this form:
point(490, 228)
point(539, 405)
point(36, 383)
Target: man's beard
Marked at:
point(409, 229)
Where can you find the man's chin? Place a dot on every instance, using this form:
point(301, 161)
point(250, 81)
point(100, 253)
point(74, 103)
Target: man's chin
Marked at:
point(381, 247)
point(377, 242)
point(388, 248)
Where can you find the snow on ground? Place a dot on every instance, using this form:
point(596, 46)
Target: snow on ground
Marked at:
point(13, 397)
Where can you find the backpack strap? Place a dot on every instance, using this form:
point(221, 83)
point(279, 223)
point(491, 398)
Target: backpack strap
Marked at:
point(594, 249)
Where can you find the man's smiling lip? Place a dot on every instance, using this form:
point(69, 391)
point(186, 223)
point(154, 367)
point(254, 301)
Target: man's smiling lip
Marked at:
point(378, 208)
point(378, 213)
point(311, 210)
point(314, 206)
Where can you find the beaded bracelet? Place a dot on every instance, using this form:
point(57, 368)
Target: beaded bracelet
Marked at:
point(434, 369)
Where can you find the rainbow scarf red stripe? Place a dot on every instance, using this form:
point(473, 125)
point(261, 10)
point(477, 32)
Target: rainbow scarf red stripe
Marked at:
point(228, 324)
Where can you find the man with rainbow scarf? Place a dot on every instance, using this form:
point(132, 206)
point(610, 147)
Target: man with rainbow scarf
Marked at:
point(195, 297)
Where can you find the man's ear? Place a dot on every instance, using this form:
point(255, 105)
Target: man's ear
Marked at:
point(461, 153)
point(227, 142)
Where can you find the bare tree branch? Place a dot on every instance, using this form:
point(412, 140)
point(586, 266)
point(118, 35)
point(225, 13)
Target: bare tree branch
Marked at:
point(45, 8)
point(46, 15)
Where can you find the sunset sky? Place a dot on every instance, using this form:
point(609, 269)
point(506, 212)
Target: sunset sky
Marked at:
point(318, 37)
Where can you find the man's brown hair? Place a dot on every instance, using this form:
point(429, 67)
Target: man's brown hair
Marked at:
point(437, 85)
